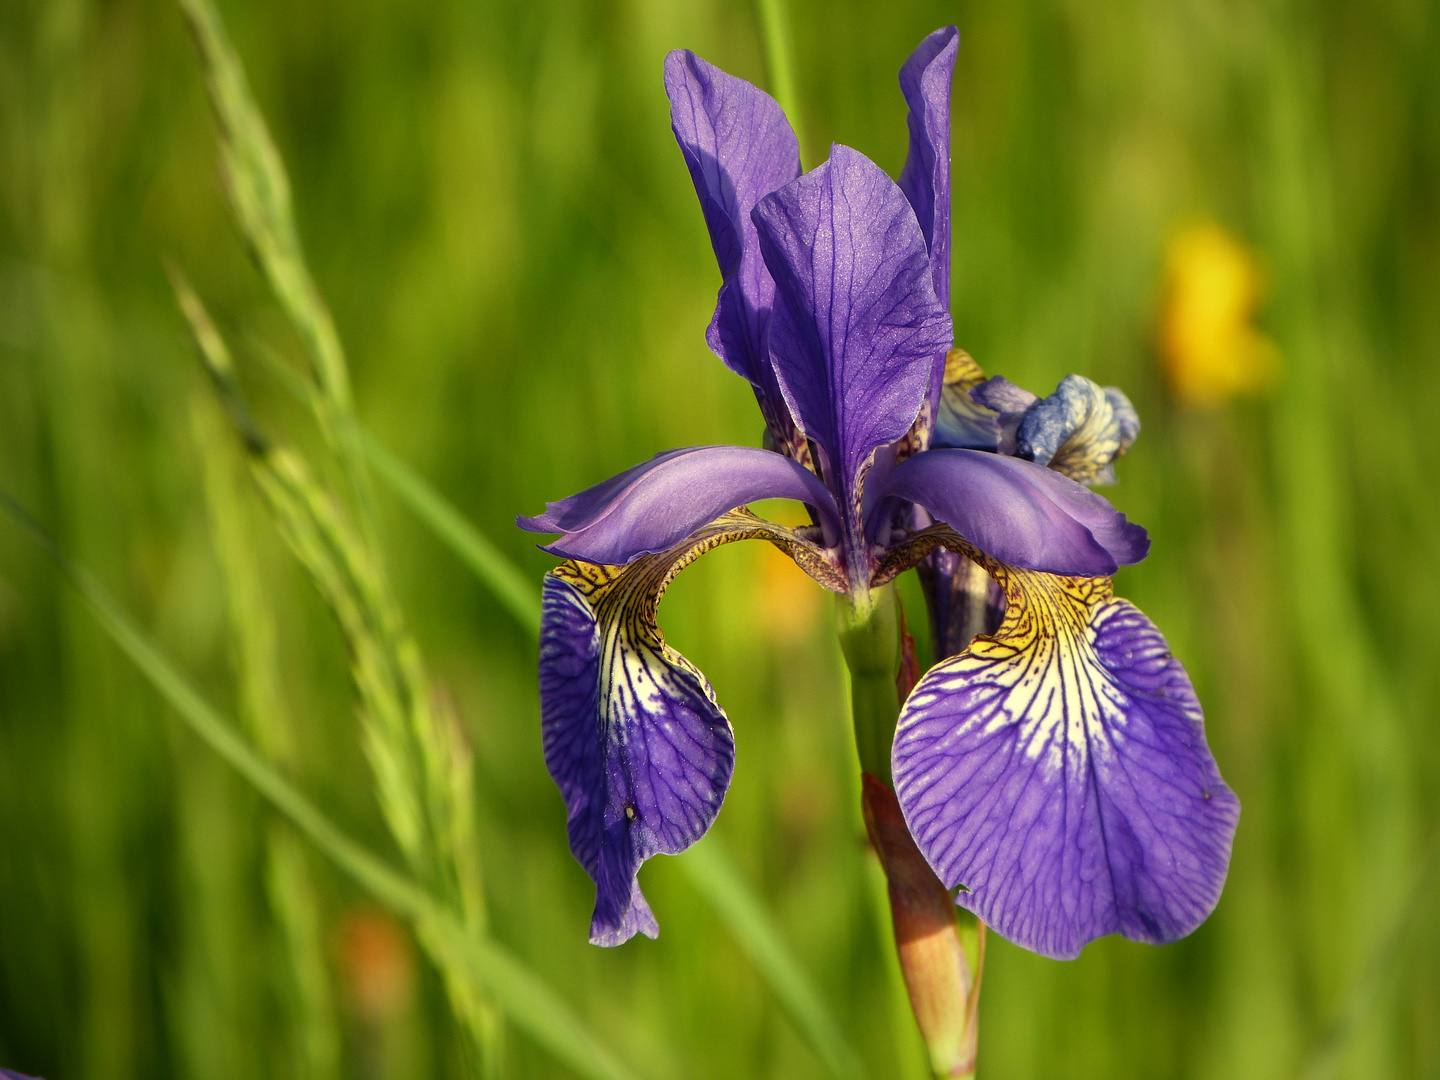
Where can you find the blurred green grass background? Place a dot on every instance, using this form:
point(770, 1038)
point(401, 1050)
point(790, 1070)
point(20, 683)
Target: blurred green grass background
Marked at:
point(491, 200)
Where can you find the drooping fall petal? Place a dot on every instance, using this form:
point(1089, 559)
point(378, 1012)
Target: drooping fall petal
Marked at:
point(633, 736)
point(1059, 772)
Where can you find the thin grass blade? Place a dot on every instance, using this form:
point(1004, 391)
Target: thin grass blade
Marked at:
point(526, 998)
point(714, 876)
point(719, 881)
point(503, 578)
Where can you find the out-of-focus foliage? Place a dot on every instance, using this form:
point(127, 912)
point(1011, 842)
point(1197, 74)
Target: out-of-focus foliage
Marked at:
point(489, 198)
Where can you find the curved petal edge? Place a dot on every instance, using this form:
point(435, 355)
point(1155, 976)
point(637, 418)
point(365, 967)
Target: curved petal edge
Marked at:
point(739, 147)
point(655, 505)
point(633, 737)
point(1021, 513)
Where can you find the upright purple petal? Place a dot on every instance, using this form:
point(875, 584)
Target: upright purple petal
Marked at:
point(654, 505)
point(1059, 773)
point(925, 81)
point(739, 147)
point(1021, 513)
point(856, 323)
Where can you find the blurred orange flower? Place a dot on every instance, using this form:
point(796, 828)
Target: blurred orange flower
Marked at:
point(378, 964)
point(1208, 341)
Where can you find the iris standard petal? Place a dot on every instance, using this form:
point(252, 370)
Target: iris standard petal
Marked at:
point(1021, 513)
point(738, 147)
point(925, 81)
point(856, 325)
point(1059, 772)
point(633, 737)
point(1079, 430)
point(658, 503)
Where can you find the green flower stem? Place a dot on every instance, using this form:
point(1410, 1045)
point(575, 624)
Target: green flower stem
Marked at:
point(869, 628)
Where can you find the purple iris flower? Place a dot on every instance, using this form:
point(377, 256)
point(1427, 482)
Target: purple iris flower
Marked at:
point(1056, 770)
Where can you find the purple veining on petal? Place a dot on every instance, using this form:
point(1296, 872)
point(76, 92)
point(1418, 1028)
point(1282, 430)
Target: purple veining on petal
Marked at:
point(925, 81)
point(633, 737)
point(654, 505)
point(856, 323)
point(1060, 773)
point(1021, 513)
point(738, 147)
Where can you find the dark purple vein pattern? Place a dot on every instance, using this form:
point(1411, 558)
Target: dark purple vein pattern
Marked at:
point(633, 738)
point(1059, 772)
point(856, 324)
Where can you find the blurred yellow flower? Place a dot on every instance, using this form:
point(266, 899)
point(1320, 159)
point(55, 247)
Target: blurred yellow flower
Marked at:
point(1208, 342)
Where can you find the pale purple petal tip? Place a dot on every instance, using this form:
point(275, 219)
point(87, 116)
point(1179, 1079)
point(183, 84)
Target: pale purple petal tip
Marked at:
point(857, 324)
point(925, 80)
point(1068, 787)
point(633, 738)
point(1018, 512)
point(656, 504)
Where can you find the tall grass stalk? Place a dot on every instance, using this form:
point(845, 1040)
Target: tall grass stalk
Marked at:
point(707, 867)
point(289, 887)
point(470, 959)
point(416, 751)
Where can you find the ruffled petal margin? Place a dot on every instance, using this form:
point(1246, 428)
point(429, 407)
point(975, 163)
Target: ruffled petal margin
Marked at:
point(633, 736)
point(1058, 772)
point(1079, 430)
